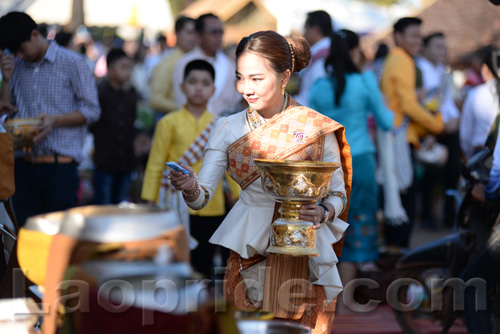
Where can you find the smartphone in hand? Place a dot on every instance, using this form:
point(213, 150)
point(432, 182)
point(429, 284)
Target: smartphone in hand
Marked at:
point(178, 168)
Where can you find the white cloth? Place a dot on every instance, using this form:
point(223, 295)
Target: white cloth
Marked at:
point(313, 72)
point(225, 96)
point(478, 114)
point(140, 81)
point(247, 227)
point(394, 211)
point(437, 80)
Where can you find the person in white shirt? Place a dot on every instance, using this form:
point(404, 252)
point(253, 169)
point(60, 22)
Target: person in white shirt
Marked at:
point(317, 30)
point(437, 82)
point(438, 96)
point(210, 31)
point(481, 107)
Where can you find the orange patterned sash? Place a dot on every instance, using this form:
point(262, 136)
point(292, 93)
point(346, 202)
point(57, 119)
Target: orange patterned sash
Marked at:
point(295, 134)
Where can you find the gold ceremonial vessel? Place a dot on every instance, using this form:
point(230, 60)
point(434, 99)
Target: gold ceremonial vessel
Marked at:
point(293, 184)
point(22, 131)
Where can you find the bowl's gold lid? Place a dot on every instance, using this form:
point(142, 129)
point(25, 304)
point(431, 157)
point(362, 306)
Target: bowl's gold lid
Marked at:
point(22, 121)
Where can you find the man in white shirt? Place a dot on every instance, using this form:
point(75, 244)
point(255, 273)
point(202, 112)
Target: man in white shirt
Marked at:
point(438, 96)
point(317, 31)
point(480, 107)
point(437, 82)
point(210, 31)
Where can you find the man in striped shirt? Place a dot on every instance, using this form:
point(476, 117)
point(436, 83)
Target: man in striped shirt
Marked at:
point(53, 84)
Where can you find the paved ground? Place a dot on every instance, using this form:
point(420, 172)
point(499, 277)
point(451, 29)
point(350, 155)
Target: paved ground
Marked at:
point(382, 320)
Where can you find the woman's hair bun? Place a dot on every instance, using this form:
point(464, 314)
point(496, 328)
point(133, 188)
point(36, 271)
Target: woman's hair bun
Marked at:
point(301, 50)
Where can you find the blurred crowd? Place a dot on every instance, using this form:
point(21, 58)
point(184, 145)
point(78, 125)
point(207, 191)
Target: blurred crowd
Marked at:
point(410, 117)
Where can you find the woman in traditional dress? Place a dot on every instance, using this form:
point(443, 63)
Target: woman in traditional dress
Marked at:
point(349, 96)
point(274, 126)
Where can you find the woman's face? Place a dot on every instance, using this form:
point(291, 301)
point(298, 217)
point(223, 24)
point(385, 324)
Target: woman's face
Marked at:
point(259, 85)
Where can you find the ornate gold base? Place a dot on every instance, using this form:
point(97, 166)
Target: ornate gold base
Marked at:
point(293, 237)
point(293, 251)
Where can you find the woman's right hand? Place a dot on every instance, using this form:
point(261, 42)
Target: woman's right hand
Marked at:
point(184, 182)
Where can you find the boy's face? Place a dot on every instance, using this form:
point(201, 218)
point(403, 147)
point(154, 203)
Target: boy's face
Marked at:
point(121, 70)
point(198, 87)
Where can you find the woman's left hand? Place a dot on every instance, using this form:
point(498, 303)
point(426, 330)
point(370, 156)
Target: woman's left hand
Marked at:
point(313, 213)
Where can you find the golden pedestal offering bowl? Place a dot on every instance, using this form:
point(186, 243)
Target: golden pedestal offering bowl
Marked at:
point(293, 184)
point(22, 131)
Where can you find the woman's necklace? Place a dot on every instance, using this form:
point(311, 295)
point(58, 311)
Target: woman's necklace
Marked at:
point(255, 119)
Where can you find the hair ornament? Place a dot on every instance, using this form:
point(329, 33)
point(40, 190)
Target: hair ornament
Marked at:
point(292, 54)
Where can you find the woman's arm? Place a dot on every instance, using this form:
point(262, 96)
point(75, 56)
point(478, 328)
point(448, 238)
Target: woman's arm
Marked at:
point(336, 199)
point(199, 189)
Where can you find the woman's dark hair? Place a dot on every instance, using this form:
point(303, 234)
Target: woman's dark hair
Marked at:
point(277, 50)
point(338, 64)
point(382, 51)
point(350, 37)
point(491, 57)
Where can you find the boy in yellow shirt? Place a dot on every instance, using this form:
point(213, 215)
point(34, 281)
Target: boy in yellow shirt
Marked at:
point(180, 136)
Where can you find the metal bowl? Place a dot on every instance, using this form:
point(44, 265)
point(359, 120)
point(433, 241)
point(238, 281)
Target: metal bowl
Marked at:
point(117, 223)
point(22, 131)
point(105, 223)
point(271, 327)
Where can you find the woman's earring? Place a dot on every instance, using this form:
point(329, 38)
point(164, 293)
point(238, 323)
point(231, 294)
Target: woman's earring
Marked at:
point(283, 89)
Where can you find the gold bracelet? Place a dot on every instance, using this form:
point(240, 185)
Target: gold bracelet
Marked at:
point(196, 191)
point(205, 201)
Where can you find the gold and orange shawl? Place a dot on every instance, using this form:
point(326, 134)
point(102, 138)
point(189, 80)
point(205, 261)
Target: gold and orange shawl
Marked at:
point(297, 133)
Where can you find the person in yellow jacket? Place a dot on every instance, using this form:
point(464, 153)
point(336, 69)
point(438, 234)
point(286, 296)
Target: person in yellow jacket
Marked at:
point(398, 81)
point(411, 120)
point(180, 136)
point(162, 91)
